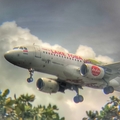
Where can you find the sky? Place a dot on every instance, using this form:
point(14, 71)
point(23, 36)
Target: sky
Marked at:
point(87, 28)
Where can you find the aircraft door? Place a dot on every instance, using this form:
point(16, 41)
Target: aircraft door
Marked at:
point(37, 51)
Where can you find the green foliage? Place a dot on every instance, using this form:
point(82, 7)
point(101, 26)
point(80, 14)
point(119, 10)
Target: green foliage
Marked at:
point(5, 93)
point(21, 108)
point(108, 112)
point(92, 115)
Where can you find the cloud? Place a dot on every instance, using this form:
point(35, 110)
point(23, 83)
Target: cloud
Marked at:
point(14, 35)
point(87, 52)
point(14, 78)
point(104, 59)
point(55, 47)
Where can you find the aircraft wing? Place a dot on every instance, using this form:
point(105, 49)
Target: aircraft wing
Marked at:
point(113, 66)
point(112, 70)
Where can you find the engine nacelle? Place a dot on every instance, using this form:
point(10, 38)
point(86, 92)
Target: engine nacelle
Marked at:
point(47, 85)
point(92, 71)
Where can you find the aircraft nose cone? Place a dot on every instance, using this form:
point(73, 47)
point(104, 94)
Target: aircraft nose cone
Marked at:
point(8, 56)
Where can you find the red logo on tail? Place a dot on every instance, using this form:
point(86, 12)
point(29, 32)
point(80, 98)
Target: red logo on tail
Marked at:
point(95, 70)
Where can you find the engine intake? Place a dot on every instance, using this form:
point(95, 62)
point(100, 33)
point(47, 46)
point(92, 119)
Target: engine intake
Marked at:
point(92, 71)
point(47, 85)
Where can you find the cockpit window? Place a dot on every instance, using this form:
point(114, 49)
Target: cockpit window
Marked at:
point(21, 48)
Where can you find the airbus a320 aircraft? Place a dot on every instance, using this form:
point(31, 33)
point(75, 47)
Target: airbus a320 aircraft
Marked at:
point(72, 72)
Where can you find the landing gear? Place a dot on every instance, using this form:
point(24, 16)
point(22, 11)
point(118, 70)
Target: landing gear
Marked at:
point(78, 98)
point(108, 89)
point(30, 79)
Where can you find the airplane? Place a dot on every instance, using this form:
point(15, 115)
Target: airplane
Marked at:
point(72, 71)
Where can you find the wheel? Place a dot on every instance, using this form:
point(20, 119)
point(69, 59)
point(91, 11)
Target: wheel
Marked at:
point(111, 89)
point(30, 80)
point(108, 90)
point(78, 98)
point(81, 98)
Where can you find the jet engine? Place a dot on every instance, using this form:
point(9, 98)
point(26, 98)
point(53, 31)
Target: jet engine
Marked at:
point(47, 85)
point(92, 71)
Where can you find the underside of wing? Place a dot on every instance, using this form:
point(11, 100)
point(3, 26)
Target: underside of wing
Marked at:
point(113, 66)
point(112, 70)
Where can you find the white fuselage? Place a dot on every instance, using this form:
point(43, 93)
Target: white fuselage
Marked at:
point(65, 66)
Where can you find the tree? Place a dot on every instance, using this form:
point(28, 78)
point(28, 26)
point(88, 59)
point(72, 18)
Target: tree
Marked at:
point(110, 111)
point(3, 100)
point(21, 108)
point(92, 115)
point(47, 113)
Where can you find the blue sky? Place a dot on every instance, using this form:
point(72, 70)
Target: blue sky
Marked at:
point(65, 22)
point(95, 24)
